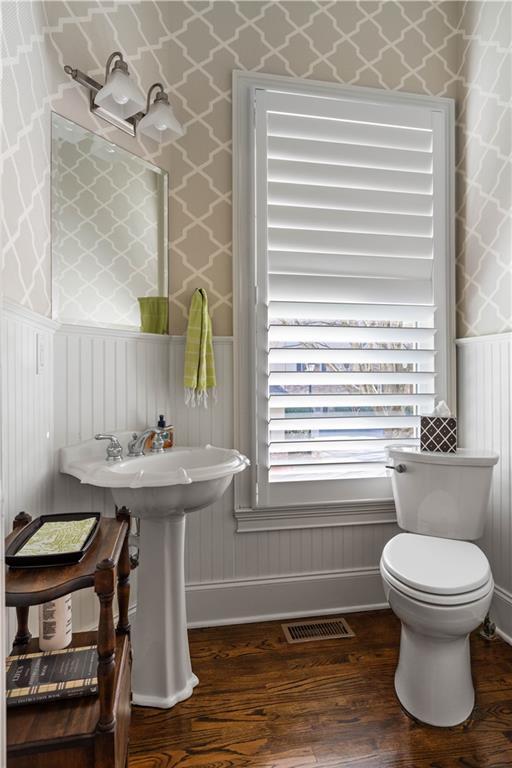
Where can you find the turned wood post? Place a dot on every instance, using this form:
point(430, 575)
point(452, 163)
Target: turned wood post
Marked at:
point(23, 635)
point(123, 576)
point(104, 588)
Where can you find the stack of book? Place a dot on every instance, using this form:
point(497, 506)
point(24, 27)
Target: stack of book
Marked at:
point(48, 675)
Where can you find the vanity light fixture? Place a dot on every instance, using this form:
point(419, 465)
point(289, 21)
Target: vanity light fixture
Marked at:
point(120, 102)
point(159, 122)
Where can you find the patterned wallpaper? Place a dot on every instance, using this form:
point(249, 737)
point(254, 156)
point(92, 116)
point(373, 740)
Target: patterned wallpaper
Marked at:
point(193, 47)
point(484, 204)
point(107, 229)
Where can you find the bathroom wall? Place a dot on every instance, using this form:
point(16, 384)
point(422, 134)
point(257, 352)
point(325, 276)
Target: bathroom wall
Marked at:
point(484, 274)
point(484, 170)
point(26, 385)
point(193, 48)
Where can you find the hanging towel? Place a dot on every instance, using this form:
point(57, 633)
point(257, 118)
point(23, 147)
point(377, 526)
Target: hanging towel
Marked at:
point(154, 314)
point(199, 371)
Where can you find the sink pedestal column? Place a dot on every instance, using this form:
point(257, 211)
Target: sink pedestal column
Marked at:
point(162, 673)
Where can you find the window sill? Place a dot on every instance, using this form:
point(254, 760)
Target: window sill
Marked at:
point(364, 512)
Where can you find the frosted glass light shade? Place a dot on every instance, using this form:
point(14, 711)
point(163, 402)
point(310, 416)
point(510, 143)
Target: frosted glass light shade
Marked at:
point(160, 123)
point(120, 95)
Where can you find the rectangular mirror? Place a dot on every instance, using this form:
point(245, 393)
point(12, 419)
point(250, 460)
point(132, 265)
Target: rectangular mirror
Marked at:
point(109, 229)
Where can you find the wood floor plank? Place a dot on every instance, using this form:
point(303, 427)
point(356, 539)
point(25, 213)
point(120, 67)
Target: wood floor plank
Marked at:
point(262, 703)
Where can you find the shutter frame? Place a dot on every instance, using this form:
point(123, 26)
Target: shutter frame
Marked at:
point(246, 88)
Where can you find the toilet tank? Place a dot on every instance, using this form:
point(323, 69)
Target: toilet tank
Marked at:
point(441, 494)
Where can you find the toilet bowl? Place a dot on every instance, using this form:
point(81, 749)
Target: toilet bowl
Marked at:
point(437, 582)
point(441, 591)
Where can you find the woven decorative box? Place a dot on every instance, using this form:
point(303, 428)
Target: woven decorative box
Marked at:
point(438, 434)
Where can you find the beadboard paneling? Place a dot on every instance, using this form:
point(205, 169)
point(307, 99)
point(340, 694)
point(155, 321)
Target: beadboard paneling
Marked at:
point(485, 422)
point(27, 418)
point(105, 381)
point(215, 552)
point(27, 414)
point(210, 555)
point(108, 380)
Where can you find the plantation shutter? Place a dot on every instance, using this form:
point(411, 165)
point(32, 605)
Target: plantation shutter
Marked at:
point(350, 251)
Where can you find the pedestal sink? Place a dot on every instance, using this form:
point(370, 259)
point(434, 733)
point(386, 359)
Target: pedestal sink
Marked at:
point(160, 489)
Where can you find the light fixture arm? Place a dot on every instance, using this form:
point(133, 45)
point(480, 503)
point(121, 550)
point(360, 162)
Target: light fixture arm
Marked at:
point(161, 95)
point(83, 79)
point(120, 64)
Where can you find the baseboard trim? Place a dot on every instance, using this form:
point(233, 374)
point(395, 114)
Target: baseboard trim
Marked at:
point(501, 613)
point(282, 597)
point(246, 601)
point(507, 638)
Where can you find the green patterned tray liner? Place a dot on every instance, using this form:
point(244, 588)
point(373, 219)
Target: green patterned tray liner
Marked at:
point(58, 538)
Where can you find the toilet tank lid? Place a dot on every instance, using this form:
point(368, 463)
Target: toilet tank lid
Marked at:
point(436, 566)
point(461, 457)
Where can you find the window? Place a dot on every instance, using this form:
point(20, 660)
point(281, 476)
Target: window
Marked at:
point(351, 261)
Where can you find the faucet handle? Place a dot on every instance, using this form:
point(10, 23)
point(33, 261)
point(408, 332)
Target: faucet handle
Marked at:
point(114, 448)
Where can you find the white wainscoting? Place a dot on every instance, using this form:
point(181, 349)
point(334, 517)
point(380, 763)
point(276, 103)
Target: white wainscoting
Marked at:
point(27, 417)
point(105, 381)
point(485, 422)
point(113, 380)
point(233, 576)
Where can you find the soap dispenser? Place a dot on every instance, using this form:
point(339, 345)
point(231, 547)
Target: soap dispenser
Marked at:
point(168, 437)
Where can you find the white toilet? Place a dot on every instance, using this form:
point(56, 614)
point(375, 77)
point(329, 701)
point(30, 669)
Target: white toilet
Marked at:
point(437, 582)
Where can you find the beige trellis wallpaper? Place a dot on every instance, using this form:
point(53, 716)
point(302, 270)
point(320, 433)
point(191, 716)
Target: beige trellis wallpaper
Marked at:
point(193, 47)
point(484, 201)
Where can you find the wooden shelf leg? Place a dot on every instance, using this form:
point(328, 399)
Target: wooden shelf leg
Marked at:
point(123, 577)
point(23, 635)
point(104, 588)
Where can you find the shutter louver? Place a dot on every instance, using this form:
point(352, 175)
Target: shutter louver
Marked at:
point(345, 250)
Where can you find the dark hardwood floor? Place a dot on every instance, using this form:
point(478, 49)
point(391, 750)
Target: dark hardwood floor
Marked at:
point(266, 704)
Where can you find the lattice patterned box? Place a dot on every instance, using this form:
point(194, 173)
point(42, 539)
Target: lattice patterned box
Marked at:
point(438, 434)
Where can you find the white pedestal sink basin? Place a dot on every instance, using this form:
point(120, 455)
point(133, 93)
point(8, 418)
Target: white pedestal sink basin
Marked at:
point(160, 489)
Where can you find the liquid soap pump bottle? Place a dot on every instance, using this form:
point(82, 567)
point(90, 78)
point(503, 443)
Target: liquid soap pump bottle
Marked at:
point(167, 436)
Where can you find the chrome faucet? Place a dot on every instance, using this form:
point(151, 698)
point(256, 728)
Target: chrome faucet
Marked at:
point(136, 444)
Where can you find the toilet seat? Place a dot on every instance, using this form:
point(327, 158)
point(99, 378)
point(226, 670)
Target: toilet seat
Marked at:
point(436, 571)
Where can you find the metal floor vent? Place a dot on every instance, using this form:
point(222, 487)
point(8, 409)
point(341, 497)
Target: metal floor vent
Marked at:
point(319, 629)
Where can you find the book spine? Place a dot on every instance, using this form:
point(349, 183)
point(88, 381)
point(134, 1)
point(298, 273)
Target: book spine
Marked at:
point(51, 696)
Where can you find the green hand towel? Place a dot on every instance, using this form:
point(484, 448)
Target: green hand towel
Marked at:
point(199, 372)
point(154, 314)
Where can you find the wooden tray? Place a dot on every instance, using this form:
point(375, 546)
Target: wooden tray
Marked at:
point(43, 561)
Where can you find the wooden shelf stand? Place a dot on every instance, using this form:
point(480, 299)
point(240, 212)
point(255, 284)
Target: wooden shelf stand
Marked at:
point(87, 731)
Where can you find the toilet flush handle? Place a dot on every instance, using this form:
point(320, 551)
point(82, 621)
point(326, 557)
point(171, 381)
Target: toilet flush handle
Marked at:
point(398, 468)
